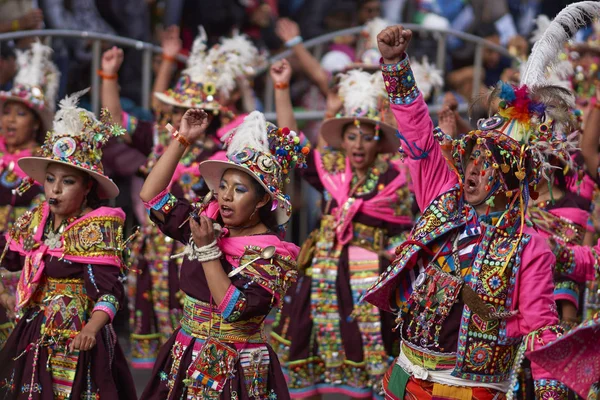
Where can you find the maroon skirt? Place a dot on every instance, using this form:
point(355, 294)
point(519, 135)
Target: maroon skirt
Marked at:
point(101, 371)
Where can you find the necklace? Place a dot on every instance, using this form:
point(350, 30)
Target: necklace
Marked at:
point(53, 237)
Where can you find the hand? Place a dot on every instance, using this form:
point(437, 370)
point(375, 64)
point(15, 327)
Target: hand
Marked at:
point(193, 125)
point(334, 102)
point(286, 29)
point(450, 101)
point(393, 42)
point(84, 341)
point(170, 41)
point(518, 46)
point(9, 303)
point(281, 71)
point(112, 60)
point(203, 232)
point(32, 20)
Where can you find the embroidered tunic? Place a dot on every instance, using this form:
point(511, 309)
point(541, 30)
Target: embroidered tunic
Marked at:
point(221, 351)
point(62, 284)
point(508, 285)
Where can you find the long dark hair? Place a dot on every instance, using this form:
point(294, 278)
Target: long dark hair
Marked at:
point(93, 200)
point(265, 214)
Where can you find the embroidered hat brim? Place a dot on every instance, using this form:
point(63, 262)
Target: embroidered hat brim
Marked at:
point(44, 114)
point(188, 103)
point(331, 131)
point(36, 167)
point(212, 171)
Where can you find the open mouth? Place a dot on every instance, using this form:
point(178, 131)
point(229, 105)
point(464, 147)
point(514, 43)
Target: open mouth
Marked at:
point(226, 212)
point(359, 157)
point(10, 130)
point(471, 185)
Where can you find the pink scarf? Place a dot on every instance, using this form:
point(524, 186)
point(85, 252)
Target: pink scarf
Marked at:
point(379, 207)
point(33, 268)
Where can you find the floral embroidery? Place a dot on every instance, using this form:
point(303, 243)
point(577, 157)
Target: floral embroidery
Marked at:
point(91, 235)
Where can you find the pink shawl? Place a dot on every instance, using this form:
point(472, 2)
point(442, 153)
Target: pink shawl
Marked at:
point(380, 206)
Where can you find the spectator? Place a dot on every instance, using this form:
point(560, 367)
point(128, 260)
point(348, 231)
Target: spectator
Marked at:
point(19, 15)
point(8, 67)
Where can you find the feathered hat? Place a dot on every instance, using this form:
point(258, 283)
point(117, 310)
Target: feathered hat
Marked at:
point(36, 83)
point(427, 76)
point(266, 153)
point(76, 140)
point(532, 132)
point(364, 102)
point(211, 75)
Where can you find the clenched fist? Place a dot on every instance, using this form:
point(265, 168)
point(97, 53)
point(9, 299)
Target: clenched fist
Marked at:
point(393, 42)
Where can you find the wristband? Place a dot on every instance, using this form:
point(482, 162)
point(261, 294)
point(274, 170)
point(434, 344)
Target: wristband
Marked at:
point(597, 105)
point(175, 133)
point(282, 85)
point(15, 25)
point(294, 41)
point(104, 76)
point(169, 58)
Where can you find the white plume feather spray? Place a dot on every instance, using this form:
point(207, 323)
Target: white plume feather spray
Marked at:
point(198, 51)
point(252, 133)
point(427, 76)
point(542, 23)
point(544, 52)
point(372, 29)
point(36, 69)
point(358, 90)
point(68, 119)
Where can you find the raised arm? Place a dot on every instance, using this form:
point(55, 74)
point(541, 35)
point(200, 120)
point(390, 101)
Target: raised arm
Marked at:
point(428, 168)
point(281, 74)
point(111, 63)
point(289, 32)
point(171, 46)
point(192, 128)
point(591, 139)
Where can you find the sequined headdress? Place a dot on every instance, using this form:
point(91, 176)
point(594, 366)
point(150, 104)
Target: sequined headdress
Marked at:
point(364, 102)
point(36, 83)
point(265, 152)
point(532, 133)
point(211, 76)
point(76, 140)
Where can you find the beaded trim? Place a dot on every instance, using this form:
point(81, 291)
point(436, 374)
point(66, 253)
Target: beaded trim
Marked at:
point(163, 202)
point(107, 303)
point(400, 82)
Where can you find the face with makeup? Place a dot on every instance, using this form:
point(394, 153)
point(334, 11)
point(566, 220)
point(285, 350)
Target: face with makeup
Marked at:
point(360, 145)
point(240, 199)
point(477, 177)
point(19, 125)
point(66, 189)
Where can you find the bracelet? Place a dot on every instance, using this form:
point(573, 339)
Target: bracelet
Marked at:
point(175, 133)
point(294, 41)
point(15, 25)
point(202, 254)
point(169, 58)
point(597, 105)
point(282, 85)
point(109, 77)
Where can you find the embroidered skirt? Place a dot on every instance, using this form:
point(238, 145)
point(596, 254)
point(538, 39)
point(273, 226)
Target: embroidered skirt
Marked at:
point(209, 358)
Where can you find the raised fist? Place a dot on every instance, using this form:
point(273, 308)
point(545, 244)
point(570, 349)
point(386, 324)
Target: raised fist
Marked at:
point(286, 29)
point(193, 125)
point(393, 42)
point(281, 72)
point(170, 41)
point(112, 60)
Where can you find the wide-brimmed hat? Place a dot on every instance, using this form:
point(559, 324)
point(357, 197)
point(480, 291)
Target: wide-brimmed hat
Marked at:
point(36, 83)
point(364, 101)
point(76, 140)
point(266, 153)
point(211, 76)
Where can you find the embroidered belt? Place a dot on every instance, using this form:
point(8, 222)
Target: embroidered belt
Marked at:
point(368, 237)
point(203, 321)
point(53, 287)
point(429, 360)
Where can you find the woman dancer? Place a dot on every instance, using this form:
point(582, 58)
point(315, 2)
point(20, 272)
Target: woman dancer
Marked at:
point(209, 83)
point(231, 276)
point(326, 340)
point(27, 112)
point(70, 250)
point(473, 289)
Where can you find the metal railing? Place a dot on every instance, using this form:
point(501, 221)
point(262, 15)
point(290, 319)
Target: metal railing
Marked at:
point(315, 44)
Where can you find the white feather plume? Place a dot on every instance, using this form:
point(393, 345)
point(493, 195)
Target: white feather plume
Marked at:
point(36, 69)
point(542, 23)
point(545, 50)
point(68, 119)
point(359, 89)
point(198, 51)
point(252, 133)
point(372, 29)
point(427, 76)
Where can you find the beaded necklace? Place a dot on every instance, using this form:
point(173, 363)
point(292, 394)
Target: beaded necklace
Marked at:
point(52, 237)
point(370, 183)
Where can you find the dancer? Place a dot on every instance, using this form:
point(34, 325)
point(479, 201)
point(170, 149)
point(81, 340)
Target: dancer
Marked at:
point(27, 112)
point(70, 250)
point(326, 340)
point(473, 287)
point(212, 82)
point(236, 269)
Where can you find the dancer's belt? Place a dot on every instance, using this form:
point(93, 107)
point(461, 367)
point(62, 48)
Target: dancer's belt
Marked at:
point(368, 237)
point(437, 368)
point(202, 321)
